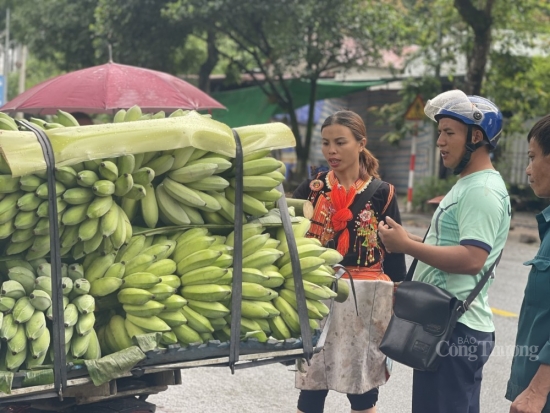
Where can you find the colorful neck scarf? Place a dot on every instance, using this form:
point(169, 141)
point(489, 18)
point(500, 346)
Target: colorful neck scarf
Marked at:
point(341, 201)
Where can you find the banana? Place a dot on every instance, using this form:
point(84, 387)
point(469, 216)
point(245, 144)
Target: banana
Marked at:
point(126, 164)
point(209, 309)
point(283, 246)
point(174, 302)
point(249, 230)
point(253, 291)
point(67, 285)
point(103, 187)
point(12, 289)
point(134, 247)
point(150, 324)
point(211, 204)
point(77, 196)
point(66, 119)
point(88, 228)
point(8, 184)
point(218, 323)
point(261, 258)
point(307, 250)
point(183, 194)
point(266, 196)
point(110, 220)
point(203, 275)
point(19, 247)
point(206, 292)
point(35, 326)
point(99, 206)
point(256, 183)
point(279, 329)
point(290, 297)
point(173, 318)
point(98, 267)
point(331, 256)
point(42, 227)
point(70, 315)
point(139, 263)
point(28, 202)
point(193, 214)
point(168, 338)
point(9, 202)
point(135, 296)
point(23, 276)
point(162, 164)
point(7, 229)
point(196, 321)
point(136, 192)
point(253, 244)
point(171, 208)
point(274, 279)
point(132, 114)
point(186, 335)
point(132, 330)
point(8, 328)
point(162, 267)
point(40, 300)
point(319, 277)
point(118, 328)
point(6, 304)
point(116, 269)
point(75, 214)
point(149, 309)
point(108, 170)
point(186, 249)
point(197, 260)
point(84, 303)
point(149, 207)
point(79, 345)
point(288, 314)
point(260, 166)
point(162, 291)
point(86, 178)
point(307, 264)
point(25, 219)
point(29, 183)
point(251, 205)
point(209, 183)
point(81, 286)
point(181, 157)
point(105, 286)
point(85, 323)
point(250, 309)
point(7, 123)
point(18, 342)
point(9, 215)
point(253, 275)
point(123, 184)
point(193, 172)
point(312, 291)
point(93, 351)
point(171, 280)
point(66, 175)
point(142, 280)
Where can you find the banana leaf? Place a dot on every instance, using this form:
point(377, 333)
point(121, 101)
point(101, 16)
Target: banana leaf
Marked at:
point(72, 145)
point(147, 342)
point(38, 378)
point(114, 365)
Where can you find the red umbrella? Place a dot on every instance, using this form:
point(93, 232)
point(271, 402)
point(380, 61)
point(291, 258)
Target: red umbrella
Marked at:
point(108, 88)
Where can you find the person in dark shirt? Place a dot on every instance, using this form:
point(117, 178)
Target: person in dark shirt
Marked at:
point(346, 217)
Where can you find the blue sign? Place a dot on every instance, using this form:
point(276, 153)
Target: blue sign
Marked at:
point(2, 90)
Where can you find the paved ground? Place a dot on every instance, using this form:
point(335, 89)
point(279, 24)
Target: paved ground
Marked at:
point(271, 388)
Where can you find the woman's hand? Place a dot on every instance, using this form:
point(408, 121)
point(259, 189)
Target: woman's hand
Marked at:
point(394, 237)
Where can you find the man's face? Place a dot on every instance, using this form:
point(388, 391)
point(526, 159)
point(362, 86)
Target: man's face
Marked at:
point(538, 170)
point(451, 141)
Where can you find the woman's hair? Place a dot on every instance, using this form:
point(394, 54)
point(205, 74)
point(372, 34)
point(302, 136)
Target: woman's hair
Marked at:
point(368, 164)
point(541, 134)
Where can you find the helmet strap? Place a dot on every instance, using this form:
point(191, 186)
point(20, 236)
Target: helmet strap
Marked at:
point(470, 148)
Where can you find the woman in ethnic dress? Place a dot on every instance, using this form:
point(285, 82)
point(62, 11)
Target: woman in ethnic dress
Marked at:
point(346, 217)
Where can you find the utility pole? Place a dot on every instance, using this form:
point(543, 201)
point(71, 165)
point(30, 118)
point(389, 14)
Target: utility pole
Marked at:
point(6, 56)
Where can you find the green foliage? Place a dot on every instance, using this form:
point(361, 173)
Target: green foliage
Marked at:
point(429, 188)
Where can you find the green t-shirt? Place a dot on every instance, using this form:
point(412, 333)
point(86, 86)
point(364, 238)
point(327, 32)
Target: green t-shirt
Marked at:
point(476, 211)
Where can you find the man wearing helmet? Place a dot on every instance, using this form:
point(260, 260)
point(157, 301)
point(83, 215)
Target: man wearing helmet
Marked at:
point(467, 234)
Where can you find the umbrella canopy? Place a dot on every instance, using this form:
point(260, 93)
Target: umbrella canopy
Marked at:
point(108, 88)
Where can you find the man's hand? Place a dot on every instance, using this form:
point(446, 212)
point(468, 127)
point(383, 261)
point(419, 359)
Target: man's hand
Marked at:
point(528, 401)
point(394, 237)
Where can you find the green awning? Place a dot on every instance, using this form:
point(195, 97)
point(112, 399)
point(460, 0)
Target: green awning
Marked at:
point(250, 105)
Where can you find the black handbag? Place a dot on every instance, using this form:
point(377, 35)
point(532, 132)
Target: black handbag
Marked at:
point(424, 317)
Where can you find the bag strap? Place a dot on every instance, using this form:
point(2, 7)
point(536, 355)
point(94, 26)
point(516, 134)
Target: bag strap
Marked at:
point(410, 272)
point(369, 192)
point(471, 297)
point(477, 289)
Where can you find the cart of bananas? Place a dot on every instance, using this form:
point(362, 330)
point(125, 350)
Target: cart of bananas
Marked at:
point(146, 244)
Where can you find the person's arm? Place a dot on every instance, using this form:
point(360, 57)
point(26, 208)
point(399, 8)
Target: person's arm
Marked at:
point(460, 259)
point(303, 190)
point(394, 264)
point(534, 397)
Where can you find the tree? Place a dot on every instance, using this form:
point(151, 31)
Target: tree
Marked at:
point(274, 42)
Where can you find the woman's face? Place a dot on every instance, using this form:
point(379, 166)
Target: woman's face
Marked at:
point(340, 148)
point(538, 170)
